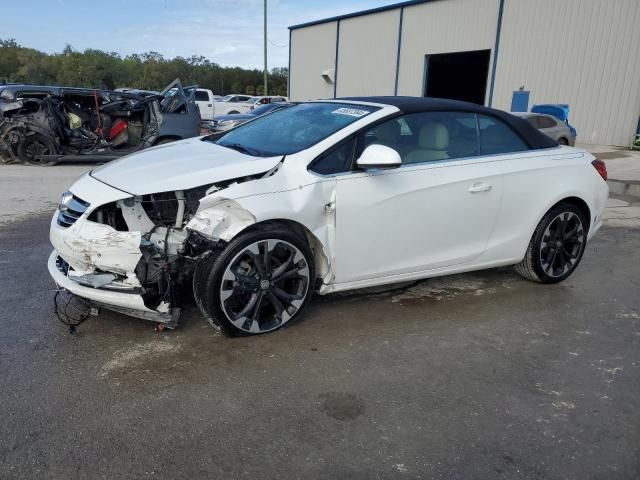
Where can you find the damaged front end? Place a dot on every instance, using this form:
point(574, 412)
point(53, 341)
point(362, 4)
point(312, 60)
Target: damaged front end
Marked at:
point(136, 254)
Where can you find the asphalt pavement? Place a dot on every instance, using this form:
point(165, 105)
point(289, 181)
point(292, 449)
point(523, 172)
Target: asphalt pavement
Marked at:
point(475, 376)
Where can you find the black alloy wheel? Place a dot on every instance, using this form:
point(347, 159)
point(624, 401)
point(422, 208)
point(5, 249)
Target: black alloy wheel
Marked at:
point(562, 244)
point(259, 283)
point(557, 245)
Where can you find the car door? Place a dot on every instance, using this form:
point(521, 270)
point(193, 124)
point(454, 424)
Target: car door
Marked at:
point(435, 211)
point(180, 116)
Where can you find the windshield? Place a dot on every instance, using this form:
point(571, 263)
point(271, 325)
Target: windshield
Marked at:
point(292, 129)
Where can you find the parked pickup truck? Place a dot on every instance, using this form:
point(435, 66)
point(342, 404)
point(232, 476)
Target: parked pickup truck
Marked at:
point(205, 101)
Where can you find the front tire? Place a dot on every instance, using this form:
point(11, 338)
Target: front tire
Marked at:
point(557, 245)
point(261, 281)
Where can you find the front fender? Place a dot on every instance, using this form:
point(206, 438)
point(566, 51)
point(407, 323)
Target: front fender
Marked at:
point(221, 220)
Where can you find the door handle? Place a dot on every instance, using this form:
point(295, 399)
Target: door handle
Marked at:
point(479, 187)
point(209, 104)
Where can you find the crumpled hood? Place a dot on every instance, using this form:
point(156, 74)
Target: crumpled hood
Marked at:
point(179, 166)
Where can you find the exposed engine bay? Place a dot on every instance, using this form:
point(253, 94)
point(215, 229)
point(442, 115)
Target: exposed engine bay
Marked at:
point(166, 261)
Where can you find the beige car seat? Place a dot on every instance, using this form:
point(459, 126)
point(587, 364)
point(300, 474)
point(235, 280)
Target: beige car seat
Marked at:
point(433, 141)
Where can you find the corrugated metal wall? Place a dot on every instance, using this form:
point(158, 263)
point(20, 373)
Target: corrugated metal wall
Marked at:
point(313, 50)
point(367, 54)
point(440, 27)
point(582, 52)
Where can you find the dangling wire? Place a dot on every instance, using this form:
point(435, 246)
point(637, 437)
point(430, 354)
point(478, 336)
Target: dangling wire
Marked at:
point(70, 309)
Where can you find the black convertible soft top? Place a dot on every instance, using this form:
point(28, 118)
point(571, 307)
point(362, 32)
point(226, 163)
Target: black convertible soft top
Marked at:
point(533, 137)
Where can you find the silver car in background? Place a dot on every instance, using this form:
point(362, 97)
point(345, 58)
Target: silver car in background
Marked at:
point(550, 126)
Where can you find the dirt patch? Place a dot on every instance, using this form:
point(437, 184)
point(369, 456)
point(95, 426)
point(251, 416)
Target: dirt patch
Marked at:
point(341, 405)
point(137, 355)
point(445, 287)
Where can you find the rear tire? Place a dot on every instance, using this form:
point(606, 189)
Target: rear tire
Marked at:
point(33, 146)
point(557, 245)
point(563, 141)
point(261, 281)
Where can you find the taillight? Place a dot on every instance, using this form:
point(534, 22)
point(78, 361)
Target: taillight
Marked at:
point(601, 168)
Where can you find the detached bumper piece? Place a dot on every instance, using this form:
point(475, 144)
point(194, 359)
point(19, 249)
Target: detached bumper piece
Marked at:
point(94, 293)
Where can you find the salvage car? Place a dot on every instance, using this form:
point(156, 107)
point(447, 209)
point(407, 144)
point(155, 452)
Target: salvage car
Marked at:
point(42, 125)
point(324, 196)
point(222, 123)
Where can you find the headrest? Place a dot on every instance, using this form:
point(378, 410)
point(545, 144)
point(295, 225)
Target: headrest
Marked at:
point(388, 132)
point(434, 136)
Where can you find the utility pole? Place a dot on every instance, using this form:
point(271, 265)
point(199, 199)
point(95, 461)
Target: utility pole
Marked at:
point(265, 47)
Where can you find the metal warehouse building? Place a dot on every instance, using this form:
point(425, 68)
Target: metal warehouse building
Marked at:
point(585, 53)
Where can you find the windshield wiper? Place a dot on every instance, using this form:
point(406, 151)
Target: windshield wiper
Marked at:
point(240, 148)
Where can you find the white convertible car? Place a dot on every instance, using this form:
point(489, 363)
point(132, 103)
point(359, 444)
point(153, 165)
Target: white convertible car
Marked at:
point(322, 197)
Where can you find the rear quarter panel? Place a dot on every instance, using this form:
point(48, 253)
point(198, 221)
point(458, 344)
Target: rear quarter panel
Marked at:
point(535, 182)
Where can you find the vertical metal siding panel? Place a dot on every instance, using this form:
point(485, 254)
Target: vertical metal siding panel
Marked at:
point(628, 52)
point(441, 27)
point(582, 52)
point(368, 54)
point(599, 105)
point(608, 77)
point(313, 50)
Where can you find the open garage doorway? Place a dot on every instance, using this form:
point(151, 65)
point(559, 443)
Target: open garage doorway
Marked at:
point(459, 76)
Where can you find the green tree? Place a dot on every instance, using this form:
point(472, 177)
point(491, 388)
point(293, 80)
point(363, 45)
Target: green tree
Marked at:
point(148, 70)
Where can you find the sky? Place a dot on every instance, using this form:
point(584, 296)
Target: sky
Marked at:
point(228, 32)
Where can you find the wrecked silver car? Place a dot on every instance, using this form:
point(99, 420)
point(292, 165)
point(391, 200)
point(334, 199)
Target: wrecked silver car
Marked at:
point(42, 125)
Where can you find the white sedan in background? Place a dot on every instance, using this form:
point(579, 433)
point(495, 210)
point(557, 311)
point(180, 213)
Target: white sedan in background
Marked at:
point(324, 196)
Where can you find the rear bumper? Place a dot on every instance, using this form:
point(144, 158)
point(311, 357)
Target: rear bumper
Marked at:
point(594, 228)
point(598, 204)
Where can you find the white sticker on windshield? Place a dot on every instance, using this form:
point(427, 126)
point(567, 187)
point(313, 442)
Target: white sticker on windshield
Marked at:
point(352, 112)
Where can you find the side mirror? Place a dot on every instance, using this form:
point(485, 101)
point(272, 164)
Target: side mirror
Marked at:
point(379, 156)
